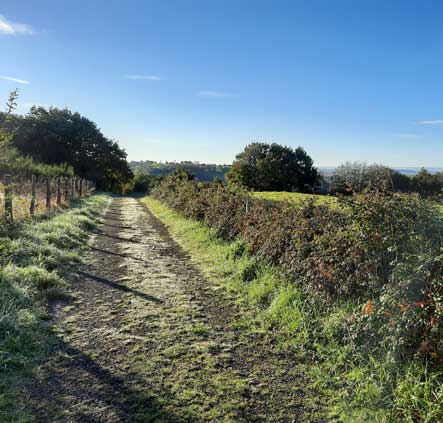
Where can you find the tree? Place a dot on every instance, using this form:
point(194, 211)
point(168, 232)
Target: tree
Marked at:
point(426, 183)
point(354, 177)
point(350, 177)
point(56, 136)
point(385, 178)
point(8, 155)
point(144, 182)
point(273, 167)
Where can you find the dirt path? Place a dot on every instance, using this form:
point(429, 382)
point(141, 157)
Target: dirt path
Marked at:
point(147, 339)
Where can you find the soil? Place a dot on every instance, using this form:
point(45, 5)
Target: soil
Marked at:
point(147, 339)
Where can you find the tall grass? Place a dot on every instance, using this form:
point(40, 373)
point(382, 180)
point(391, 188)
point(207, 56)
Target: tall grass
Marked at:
point(37, 259)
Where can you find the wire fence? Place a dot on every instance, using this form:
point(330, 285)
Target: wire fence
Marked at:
point(26, 197)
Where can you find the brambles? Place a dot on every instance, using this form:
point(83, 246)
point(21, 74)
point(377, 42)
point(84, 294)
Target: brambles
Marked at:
point(369, 273)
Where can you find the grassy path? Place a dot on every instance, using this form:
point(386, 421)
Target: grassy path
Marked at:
point(148, 339)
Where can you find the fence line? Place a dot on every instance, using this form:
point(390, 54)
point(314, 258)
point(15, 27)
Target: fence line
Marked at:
point(26, 197)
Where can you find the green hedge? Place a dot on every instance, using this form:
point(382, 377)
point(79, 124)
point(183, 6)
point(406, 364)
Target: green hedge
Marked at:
point(379, 252)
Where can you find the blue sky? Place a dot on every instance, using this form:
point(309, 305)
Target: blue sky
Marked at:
point(198, 80)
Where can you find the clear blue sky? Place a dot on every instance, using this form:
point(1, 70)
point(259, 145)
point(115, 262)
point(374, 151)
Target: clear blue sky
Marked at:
point(198, 80)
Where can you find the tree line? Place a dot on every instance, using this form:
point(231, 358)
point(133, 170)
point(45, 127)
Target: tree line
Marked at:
point(203, 172)
point(273, 167)
point(355, 177)
point(64, 142)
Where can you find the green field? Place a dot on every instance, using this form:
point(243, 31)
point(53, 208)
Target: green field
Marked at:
point(295, 197)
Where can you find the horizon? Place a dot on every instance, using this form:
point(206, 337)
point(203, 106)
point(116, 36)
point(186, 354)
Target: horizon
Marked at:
point(198, 81)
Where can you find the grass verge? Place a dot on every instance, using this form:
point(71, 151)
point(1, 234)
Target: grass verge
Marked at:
point(37, 260)
point(231, 266)
point(358, 387)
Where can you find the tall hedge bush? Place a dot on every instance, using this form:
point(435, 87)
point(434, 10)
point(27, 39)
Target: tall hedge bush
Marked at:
point(381, 252)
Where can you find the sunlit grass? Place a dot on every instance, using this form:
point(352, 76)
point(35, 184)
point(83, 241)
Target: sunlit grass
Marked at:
point(37, 259)
point(295, 197)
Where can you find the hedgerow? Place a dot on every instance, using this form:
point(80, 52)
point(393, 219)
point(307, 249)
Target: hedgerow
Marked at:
point(379, 253)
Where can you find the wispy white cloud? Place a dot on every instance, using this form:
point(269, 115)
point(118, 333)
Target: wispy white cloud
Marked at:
point(13, 28)
point(408, 135)
point(214, 94)
point(431, 122)
point(18, 81)
point(144, 77)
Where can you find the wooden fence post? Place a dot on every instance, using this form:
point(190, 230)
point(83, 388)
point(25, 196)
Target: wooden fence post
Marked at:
point(80, 188)
point(59, 192)
point(73, 188)
point(66, 186)
point(33, 195)
point(9, 216)
point(48, 195)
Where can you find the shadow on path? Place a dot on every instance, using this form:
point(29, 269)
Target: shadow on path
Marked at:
point(120, 287)
point(112, 253)
point(119, 238)
point(97, 384)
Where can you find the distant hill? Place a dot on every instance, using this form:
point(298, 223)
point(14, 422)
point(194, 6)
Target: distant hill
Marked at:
point(207, 172)
point(410, 171)
point(203, 172)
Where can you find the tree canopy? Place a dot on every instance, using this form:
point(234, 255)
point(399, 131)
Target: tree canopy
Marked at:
point(273, 167)
point(58, 136)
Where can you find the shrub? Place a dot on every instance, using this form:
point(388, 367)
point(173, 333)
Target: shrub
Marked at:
point(382, 252)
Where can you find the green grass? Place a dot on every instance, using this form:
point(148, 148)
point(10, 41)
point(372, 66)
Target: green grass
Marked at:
point(358, 388)
point(230, 266)
point(37, 259)
point(295, 197)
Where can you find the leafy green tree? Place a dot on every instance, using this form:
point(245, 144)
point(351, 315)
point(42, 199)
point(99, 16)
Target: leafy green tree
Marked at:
point(143, 182)
point(182, 175)
point(6, 152)
point(273, 167)
point(426, 183)
point(57, 136)
point(10, 159)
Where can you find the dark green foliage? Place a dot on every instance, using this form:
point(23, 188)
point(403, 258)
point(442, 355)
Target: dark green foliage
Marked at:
point(143, 183)
point(427, 183)
point(58, 137)
point(380, 250)
point(273, 167)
